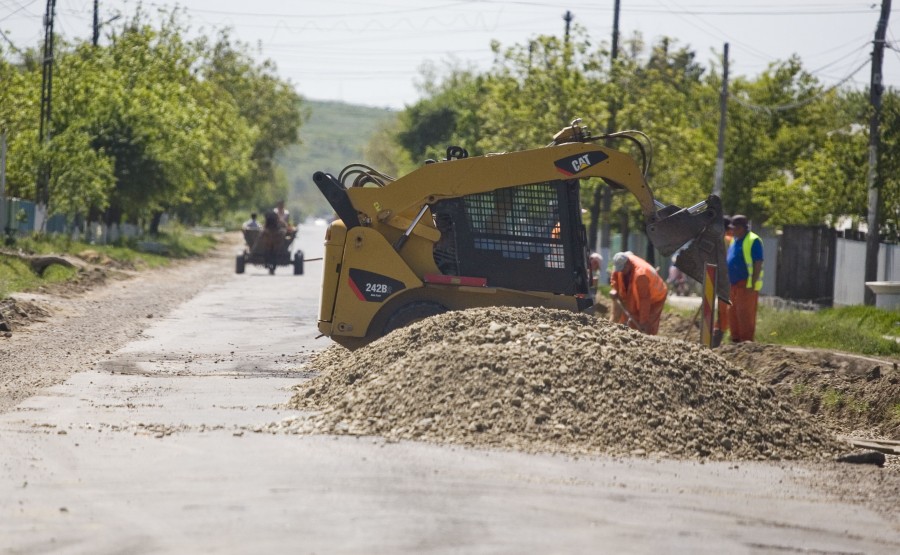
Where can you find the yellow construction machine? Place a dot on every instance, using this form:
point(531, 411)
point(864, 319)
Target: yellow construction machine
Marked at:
point(495, 230)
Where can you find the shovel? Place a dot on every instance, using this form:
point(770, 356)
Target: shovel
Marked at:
point(628, 314)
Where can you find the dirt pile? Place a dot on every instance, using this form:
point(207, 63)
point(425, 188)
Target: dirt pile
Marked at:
point(548, 380)
point(847, 393)
point(15, 314)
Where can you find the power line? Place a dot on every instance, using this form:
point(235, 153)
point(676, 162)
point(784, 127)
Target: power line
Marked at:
point(21, 8)
point(854, 52)
point(692, 6)
point(319, 16)
point(712, 31)
point(768, 110)
point(725, 13)
point(862, 39)
point(696, 9)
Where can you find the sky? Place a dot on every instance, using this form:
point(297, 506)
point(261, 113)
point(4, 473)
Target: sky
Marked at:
point(372, 52)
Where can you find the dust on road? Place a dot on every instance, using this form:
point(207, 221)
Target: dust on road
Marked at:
point(70, 327)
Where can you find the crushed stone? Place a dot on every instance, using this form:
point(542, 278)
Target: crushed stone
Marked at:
point(542, 380)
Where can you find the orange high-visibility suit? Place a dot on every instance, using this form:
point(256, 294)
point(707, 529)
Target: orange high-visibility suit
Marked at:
point(642, 292)
point(722, 322)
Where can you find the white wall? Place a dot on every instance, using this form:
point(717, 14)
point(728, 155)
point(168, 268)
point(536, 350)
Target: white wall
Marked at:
point(850, 270)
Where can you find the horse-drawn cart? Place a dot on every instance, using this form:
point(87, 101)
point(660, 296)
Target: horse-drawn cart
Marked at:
point(269, 248)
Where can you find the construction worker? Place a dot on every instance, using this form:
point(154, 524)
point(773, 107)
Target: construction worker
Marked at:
point(638, 293)
point(722, 320)
point(745, 260)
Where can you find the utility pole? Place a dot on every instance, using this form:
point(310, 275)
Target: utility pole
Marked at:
point(719, 177)
point(98, 24)
point(6, 216)
point(530, 55)
point(45, 130)
point(96, 34)
point(567, 50)
point(3, 164)
point(603, 193)
point(873, 183)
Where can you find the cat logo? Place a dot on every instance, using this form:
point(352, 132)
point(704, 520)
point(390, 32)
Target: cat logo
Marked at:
point(574, 164)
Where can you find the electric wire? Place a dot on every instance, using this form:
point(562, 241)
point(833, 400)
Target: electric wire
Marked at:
point(715, 10)
point(692, 13)
point(769, 110)
point(711, 31)
point(21, 8)
point(855, 52)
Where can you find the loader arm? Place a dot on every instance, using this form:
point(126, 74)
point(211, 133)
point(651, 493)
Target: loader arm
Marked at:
point(697, 230)
point(484, 174)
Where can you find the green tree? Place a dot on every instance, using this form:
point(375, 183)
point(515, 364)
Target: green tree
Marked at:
point(662, 94)
point(774, 121)
point(268, 104)
point(448, 115)
point(19, 113)
point(151, 123)
point(827, 185)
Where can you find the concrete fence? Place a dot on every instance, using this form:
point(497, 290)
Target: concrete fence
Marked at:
point(850, 271)
point(24, 217)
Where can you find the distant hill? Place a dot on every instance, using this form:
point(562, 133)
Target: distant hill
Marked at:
point(333, 137)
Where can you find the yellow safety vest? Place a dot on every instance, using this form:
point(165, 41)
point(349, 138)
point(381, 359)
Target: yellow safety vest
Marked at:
point(746, 247)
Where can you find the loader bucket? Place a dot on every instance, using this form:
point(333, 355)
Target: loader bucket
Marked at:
point(700, 234)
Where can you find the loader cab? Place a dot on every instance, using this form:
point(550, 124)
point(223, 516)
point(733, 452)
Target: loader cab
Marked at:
point(527, 237)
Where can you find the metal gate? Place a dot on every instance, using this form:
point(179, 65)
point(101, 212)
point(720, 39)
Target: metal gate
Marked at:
point(806, 260)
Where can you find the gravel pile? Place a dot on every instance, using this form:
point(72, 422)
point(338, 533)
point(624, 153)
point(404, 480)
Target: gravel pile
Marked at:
point(552, 381)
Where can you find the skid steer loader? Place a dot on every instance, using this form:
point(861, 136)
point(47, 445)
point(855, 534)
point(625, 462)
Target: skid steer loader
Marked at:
point(501, 229)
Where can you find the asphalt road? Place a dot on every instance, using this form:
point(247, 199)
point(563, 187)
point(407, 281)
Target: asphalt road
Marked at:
point(154, 451)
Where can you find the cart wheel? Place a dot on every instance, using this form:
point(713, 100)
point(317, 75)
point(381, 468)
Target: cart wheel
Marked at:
point(239, 263)
point(411, 313)
point(298, 263)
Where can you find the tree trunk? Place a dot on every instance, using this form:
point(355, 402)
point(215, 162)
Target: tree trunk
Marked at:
point(154, 223)
point(624, 228)
point(113, 215)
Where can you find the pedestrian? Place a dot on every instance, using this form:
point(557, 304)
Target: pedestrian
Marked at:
point(596, 262)
point(745, 261)
point(676, 279)
point(638, 293)
point(723, 308)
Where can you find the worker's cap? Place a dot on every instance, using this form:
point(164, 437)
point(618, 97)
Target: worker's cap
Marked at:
point(727, 221)
point(738, 220)
point(619, 261)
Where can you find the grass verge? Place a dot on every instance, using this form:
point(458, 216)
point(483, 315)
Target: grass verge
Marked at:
point(174, 243)
point(855, 329)
point(864, 330)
